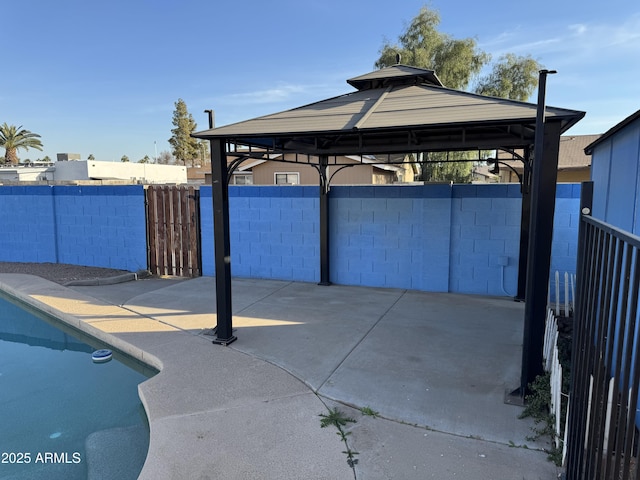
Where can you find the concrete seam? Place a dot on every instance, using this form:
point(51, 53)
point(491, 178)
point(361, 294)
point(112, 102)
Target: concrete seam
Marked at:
point(317, 391)
point(232, 407)
point(262, 298)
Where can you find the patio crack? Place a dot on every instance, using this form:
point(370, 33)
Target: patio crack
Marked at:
point(404, 292)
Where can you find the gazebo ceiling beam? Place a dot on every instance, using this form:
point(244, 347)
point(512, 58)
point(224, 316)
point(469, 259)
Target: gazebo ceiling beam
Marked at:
point(411, 140)
point(380, 146)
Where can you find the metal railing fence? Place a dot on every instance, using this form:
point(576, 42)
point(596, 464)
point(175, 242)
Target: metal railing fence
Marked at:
point(602, 428)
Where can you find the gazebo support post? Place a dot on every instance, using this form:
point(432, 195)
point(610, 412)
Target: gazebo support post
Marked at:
point(543, 195)
point(324, 220)
point(525, 217)
point(220, 193)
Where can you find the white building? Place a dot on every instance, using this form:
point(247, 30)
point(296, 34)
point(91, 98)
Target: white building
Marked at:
point(93, 170)
point(134, 172)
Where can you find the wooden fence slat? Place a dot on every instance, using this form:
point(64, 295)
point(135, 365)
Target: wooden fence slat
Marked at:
point(194, 238)
point(184, 230)
point(152, 230)
point(173, 226)
point(168, 233)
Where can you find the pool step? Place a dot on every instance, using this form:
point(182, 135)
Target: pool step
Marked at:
point(116, 453)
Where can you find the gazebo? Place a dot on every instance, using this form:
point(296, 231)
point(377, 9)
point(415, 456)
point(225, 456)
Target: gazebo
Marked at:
point(401, 110)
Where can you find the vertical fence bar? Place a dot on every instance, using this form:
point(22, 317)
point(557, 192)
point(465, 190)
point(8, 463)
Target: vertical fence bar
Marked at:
point(629, 397)
point(602, 379)
point(614, 356)
point(599, 395)
point(579, 377)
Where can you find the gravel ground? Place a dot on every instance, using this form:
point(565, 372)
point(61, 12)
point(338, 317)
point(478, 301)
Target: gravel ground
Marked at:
point(59, 272)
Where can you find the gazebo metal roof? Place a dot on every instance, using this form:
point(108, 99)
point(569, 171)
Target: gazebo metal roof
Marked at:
point(399, 109)
point(403, 109)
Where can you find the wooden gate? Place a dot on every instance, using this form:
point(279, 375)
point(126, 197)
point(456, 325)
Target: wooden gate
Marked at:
point(173, 230)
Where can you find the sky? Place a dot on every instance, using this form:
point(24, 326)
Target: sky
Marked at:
point(102, 78)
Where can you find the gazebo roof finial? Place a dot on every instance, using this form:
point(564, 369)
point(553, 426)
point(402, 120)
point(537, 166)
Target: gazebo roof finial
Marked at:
point(396, 75)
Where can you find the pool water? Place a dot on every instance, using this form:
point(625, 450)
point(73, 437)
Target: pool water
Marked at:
point(62, 415)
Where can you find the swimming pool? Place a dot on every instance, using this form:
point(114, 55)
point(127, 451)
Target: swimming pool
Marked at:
point(62, 416)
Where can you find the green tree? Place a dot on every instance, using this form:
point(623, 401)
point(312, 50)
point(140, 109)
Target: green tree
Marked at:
point(146, 159)
point(185, 147)
point(124, 159)
point(458, 64)
point(456, 167)
point(13, 138)
point(514, 77)
point(455, 62)
point(203, 152)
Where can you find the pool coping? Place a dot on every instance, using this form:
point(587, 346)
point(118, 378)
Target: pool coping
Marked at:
point(261, 394)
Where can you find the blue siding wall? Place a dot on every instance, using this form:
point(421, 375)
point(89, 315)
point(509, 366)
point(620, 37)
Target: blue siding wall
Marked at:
point(616, 179)
point(102, 226)
point(439, 238)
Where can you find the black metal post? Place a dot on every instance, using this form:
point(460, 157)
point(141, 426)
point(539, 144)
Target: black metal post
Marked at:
point(211, 115)
point(525, 218)
point(220, 187)
point(543, 196)
point(324, 221)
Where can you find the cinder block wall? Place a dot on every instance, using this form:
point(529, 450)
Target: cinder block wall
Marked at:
point(565, 228)
point(439, 238)
point(485, 239)
point(28, 227)
point(102, 226)
point(274, 232)
point(387, 236)
point(461, 238)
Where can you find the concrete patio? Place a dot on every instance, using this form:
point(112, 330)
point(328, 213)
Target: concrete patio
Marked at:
point(434, 366)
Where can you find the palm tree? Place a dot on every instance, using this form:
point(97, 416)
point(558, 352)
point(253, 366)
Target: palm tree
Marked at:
point(13, 138)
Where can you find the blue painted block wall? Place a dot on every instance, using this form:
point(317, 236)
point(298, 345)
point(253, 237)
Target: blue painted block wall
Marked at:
point(565, 228)
point(102, 226)
point(28, 228)
point(485, 225)
point(461, 238)
point(442, 238)
point(379, 234)
point(274, 232)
